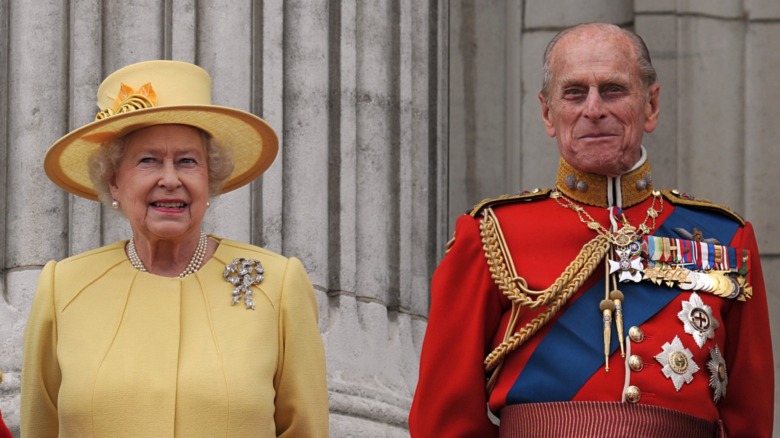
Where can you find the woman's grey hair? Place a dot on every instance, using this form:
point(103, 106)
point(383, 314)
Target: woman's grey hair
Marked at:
point(647, 72)
point(104, 163)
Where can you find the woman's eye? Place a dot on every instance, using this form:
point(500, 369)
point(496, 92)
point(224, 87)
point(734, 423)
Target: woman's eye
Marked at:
point(188, 161)
point(146, 160)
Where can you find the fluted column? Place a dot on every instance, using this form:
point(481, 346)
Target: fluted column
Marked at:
point(223, 47)
point(382, 208)
point(35, 219)
point(84, 72)
point(305, 163)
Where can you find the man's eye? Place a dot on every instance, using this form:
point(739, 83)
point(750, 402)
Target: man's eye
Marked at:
point(573, 93)
point(613, 90)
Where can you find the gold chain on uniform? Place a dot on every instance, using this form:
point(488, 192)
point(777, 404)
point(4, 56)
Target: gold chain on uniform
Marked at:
point(616, 238)
point(515, 288)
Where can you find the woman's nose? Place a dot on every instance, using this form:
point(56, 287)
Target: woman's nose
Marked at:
point(170, 177)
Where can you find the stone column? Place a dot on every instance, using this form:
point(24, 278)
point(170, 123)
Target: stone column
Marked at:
point(35, 222)
point(383, 208)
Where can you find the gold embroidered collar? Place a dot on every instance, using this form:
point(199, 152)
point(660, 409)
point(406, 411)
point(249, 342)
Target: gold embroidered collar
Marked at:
point(623, 191)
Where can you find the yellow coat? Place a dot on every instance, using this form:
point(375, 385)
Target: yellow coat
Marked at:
point(112, 352)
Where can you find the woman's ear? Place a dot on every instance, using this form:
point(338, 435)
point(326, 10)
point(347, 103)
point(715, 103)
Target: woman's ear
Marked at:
point(112, 187)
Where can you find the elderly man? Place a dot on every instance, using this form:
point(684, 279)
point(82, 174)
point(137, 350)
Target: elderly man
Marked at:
point(602, 307)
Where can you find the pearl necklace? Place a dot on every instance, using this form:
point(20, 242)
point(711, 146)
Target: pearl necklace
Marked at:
point(195, 263)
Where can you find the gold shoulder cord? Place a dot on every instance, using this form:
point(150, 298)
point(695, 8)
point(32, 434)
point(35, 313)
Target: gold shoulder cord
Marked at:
point(515, 288)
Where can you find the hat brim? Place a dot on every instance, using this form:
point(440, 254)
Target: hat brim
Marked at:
point(253, 142)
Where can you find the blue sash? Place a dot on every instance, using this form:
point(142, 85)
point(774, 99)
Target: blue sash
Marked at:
point(573, 349)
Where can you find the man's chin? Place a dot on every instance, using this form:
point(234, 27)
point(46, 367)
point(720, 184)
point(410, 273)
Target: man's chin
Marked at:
point(602, 141)
point(599, 166)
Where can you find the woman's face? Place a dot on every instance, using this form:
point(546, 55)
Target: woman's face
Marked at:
point(162, 182)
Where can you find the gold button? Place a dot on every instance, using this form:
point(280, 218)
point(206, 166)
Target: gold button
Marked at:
point(633, 394)
point(635, 363)
point(636, 334)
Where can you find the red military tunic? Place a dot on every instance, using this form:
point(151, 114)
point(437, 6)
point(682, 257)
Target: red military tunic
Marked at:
point(4, 432)
point(564, 360)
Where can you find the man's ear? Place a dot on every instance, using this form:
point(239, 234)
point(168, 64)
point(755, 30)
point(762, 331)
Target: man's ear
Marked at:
point(652, 107)
point(548, 124)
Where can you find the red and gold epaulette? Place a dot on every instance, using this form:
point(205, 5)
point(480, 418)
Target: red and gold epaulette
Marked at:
point(526, 195)
point(678, 198)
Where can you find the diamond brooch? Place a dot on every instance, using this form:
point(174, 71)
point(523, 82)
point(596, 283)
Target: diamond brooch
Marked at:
point(243, 273)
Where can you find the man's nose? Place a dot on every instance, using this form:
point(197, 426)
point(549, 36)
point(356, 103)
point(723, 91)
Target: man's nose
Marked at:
point(595, 107)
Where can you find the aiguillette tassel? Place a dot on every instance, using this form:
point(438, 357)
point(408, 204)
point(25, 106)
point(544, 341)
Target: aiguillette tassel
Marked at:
point(607, 307)
point(617, 298)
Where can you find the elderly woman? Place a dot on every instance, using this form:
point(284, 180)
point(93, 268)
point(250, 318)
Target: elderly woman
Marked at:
point(173, 332)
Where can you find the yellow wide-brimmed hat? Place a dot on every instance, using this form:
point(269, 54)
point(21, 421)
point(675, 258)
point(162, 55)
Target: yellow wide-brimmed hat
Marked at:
point(156, 93)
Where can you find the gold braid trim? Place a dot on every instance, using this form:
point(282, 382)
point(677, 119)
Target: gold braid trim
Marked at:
point(515, 288)
point(678, 198)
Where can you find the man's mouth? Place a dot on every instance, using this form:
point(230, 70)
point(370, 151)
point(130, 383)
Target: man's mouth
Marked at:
point(596, 135)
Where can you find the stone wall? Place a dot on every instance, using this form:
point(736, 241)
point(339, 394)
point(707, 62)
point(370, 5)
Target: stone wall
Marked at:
point(394, 117)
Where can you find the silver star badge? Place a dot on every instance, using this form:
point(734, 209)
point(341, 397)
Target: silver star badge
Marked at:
point(698, 320)
point(719, 378)
point(677, 362)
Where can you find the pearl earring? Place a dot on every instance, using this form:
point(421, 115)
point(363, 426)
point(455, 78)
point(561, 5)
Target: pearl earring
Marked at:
point(208, 204)
point(115, 204)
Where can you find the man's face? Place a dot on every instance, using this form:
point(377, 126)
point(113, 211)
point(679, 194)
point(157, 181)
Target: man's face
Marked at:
point(598, 108)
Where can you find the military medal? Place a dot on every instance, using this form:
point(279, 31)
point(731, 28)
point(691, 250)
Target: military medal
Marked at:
point(719, 378)
point(698, 320)
point(628, 251)
point(678, 364)
point(697, 266)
